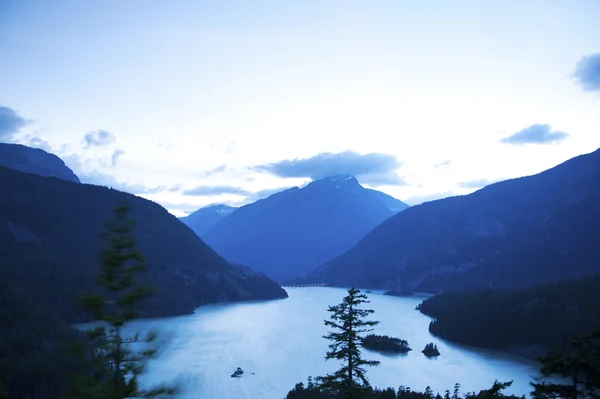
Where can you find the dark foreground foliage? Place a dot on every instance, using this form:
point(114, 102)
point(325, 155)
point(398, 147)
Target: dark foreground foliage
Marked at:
point(312, 391)
point(579, 369)
point(115, 303)
point(35, 355)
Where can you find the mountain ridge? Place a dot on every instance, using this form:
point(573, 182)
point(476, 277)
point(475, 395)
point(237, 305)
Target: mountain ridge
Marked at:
point(35, 160)
point(466, 242)
point(205, 218)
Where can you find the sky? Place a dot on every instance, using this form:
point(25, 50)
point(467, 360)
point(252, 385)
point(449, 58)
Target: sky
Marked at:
point(190, 103)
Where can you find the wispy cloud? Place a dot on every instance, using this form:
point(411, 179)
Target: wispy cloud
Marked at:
point(535, 134)
point(98, 138)
point(441, 164)
point(587, 72)
point(108, 180)
point(218, 169)
point(209, 191)
point(374, 168)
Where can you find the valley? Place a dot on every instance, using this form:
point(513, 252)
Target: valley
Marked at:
point(299, 199)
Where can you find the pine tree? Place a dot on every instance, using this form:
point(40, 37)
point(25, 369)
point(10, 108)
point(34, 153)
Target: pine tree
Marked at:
point(581, 366)
point(116, 305)
point(347, 320)
point(456, 391)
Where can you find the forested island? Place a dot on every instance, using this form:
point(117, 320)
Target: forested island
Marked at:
point(431, 350)
point(384, 343)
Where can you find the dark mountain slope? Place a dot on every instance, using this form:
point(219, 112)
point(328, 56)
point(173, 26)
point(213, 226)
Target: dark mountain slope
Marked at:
point(50, 236)
point(205, 218)
point(513, 233)
point(290, 232)
point(34, 160)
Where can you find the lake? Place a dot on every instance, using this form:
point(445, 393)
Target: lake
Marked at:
point(279, 343)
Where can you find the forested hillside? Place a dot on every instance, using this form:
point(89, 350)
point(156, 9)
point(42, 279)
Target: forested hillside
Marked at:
point(509, 234)
point(50, 237)
point(527, 321)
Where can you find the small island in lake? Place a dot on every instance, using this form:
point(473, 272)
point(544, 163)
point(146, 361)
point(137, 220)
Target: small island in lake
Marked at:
point(384, 343)
point(431, 350)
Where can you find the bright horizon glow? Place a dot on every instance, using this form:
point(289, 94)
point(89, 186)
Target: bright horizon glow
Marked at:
point(197, 94)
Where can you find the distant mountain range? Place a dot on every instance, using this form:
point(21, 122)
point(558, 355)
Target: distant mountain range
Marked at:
point(513, 233)
point(295, 230)
point(206, 218)
point(50, 237)
point(34, 160)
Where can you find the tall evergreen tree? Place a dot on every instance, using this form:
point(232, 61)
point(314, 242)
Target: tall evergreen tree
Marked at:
point(581, 366)
point(114, 306)
point(348, 321)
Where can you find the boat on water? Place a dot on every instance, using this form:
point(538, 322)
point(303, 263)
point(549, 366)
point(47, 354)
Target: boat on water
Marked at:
point(237, 373)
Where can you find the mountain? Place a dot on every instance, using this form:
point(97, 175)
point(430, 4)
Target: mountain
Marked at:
point(50, 234)
point(34, 160)
point(205, 218)
point(513, 233)
point(394, 204)
point(295, 230)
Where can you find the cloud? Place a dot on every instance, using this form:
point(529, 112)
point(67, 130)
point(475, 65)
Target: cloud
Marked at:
point(587, 72)
point(441, 164)
point(166, 145)
point(218, 169)
point(373, 168)
point(232, 147)
point(477, 183)
point(36, 142)
point(10, 123)
point(104, 179)
point(209, 191)
point(98, 138)
point(114, 158)
point(161, 189)
point(535, 134)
